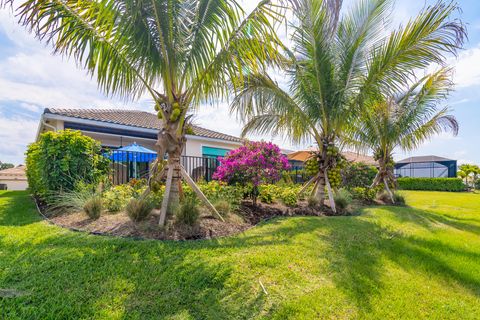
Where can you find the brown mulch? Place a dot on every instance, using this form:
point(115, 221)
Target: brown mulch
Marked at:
point(119, 224)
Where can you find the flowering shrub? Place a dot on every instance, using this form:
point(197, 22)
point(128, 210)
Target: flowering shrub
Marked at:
point(252, 164)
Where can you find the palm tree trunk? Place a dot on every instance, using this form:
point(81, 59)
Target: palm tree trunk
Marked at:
point(330, 193)
point(320, 192)
point(390, 193)
point(169, 143)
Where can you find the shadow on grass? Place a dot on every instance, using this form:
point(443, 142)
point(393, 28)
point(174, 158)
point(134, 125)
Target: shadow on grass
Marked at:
point(74, 275)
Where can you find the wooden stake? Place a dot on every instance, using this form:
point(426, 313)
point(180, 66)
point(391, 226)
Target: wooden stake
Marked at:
point(307, 184)
point(166, 196)
point(199, 192)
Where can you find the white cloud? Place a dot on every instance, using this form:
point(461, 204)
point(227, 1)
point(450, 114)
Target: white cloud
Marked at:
point(15, 134)
point(467, 68)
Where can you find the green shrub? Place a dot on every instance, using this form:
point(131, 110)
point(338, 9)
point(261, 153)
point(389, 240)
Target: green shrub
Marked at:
point(138, 209)
point(59, 159)
point(431, 184)
point(217, 190)
point(268, 193)
point(358, 175)
point(342, 199)
point(117, 197)
point(93, 207)
point(477, 184)
point(223, 207)
point(289, 197)
point(188, 212)
point(366, 195)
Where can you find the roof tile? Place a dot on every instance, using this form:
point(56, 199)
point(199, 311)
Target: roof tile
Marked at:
point(133, 118)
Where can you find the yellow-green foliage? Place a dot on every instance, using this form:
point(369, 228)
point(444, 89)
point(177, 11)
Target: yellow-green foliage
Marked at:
point(117, 197)
point(268, 193)
point(59, 159)
point(289, 197)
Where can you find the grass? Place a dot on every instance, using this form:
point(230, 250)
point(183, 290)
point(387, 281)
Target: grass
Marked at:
point(414, 262)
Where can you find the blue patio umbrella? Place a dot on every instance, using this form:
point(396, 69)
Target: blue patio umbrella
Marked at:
point(132, 153)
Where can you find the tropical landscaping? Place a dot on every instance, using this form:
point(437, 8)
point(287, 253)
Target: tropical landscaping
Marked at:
point(419, 261)
point(352, 241)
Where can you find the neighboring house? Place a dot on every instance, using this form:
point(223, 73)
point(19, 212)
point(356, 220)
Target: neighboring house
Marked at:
point(13, 179)
point(426, 167)
point(117, 128)
point(299, 157)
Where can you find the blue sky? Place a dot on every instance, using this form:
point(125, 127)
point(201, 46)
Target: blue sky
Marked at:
point(32, 79)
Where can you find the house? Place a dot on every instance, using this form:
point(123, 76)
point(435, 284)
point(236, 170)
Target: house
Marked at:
point(13, 179)
point(299, 157)
point(117, 128)
point(426, 167)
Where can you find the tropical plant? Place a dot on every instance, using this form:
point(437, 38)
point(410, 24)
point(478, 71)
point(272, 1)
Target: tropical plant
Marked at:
point(337, 62)
point(117, 197)
point(404, 121)
point(254, 163)
point(469, 172)
point(358, 174)
point(179, 52)
point(58, 161)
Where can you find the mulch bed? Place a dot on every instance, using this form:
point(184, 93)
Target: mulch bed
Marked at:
point(119, 224)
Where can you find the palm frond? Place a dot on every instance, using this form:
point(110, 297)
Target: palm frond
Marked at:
point(422, 41)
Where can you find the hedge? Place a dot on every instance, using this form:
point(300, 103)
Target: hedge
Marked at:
point(431, 184)
point(61, 159)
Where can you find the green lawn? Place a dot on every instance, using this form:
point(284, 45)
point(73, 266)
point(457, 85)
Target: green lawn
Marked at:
point(415, 262)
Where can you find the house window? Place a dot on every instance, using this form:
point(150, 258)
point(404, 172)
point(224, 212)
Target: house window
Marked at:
point(210, 152)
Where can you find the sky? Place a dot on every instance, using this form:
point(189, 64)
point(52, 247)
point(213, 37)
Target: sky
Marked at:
point(31, 79)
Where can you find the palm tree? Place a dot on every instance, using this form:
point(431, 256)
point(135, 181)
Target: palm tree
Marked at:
point(469, 171)
point(337, 62)
point(404, 121)
point(180, 52)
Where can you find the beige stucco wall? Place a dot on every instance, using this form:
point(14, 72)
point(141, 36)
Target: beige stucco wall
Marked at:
point(15, 184)
point(193, 147)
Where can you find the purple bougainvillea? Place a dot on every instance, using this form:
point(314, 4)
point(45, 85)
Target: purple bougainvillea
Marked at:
point(254, 162)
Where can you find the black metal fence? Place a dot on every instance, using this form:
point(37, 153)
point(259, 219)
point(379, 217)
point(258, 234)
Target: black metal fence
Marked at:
point(126, 166)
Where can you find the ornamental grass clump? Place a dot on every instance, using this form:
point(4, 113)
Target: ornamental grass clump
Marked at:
point(138, 209)
point(252, 164)
point(93, 207)
point(188, 212)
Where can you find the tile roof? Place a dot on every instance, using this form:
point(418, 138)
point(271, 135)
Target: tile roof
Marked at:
point(303, 155)
point(133, 118)
point(358, 157)
point(17, 173)
point(424, 159)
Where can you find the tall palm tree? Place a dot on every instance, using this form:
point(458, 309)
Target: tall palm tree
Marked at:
point(180, 52)
point(337, 62)
point(404, 121)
